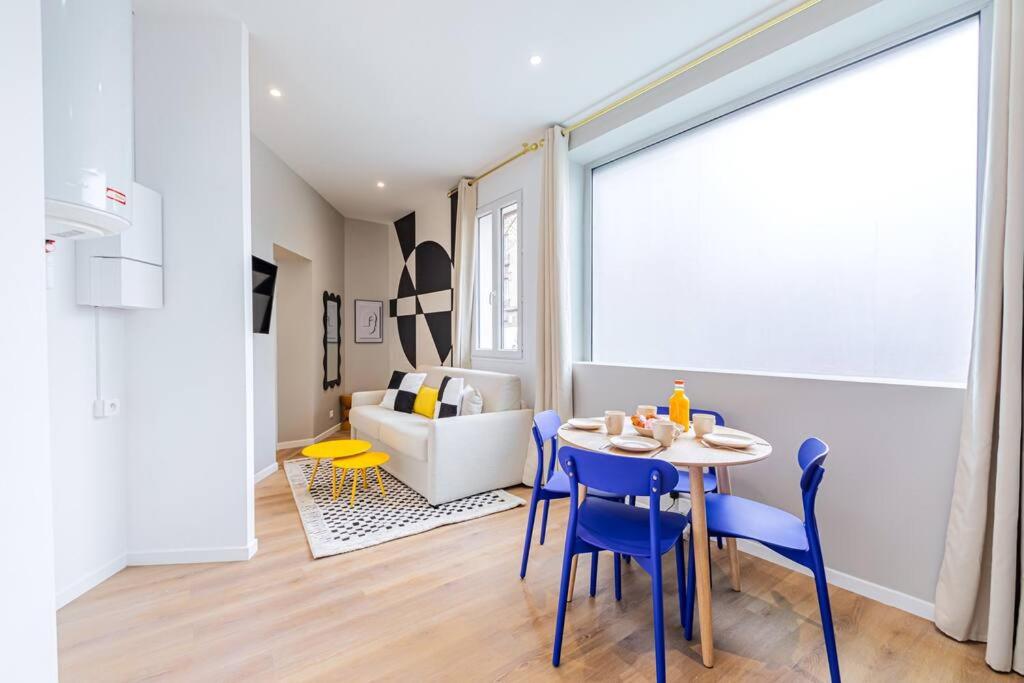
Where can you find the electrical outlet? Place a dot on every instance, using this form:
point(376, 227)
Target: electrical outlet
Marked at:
point(106, 407)
point(331, 413)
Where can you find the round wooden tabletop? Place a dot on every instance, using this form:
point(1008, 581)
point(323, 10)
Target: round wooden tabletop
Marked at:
point(685, 451)
point(338, 448)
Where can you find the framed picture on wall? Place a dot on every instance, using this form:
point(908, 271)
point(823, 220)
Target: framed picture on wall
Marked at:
point(369, 321)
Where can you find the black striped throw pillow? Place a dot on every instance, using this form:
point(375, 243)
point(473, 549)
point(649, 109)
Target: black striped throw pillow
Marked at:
point(448, 397)
point(401, 392)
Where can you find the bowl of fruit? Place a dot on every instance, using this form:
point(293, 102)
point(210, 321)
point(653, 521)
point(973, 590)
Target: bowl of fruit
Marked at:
point(644, 424)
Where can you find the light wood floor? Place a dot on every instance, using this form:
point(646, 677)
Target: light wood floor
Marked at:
point(448, 605)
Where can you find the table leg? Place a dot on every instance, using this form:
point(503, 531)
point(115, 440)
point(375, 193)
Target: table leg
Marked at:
point(312, 477)
point(725, 486)
point(699, 537)
point(341, 485)
point(575, 558)
point(355, 482)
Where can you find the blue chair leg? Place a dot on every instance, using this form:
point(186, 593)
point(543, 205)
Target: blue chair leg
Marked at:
point(542, 535)
point(563, 594)
point(529, 534)
point(618, 576)
point(681, 581)
point(632, 502)
point(818, 567)
point(544, 523)
point(659, 619)
point(593, 575)
point(691, 591)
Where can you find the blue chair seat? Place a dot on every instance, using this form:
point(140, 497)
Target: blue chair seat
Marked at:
point(559, 483)
point(625, 529)
point(744, 518)
point(710, 482)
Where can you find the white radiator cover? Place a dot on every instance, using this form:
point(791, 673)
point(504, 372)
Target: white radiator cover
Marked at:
point(87, 115)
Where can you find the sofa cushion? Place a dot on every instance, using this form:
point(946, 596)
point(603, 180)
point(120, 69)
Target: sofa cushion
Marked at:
point(367, 419)
point(407, 436)
point(499, 390)
point(401, 392)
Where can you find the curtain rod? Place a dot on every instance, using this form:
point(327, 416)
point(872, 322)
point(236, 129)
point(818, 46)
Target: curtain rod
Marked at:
point(675, 73)
point(527, 148)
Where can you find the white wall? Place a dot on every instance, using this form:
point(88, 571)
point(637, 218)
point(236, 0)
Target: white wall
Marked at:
point(28, 640)
point(288, 212)
point(367, 366)
point(191, 432)
point(90, 457)
point(299, 368)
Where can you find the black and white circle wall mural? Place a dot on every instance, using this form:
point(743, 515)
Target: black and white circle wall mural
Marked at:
point(422, 305)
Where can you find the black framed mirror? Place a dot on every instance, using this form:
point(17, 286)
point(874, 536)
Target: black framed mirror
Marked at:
point(332, 340)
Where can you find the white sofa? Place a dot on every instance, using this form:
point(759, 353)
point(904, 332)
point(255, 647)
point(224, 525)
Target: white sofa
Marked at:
point(452, 457)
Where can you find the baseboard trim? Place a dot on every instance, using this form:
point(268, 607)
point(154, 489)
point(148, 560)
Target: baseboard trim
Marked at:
point(882, 594)
point(302, 443)
point(266, 472)
point(91, 580)
point(194, 555)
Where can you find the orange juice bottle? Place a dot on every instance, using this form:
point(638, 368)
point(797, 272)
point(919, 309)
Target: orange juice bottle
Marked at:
point(679, 406)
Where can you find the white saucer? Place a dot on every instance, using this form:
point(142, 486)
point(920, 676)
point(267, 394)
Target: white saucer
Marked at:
point(586, 423)
point(637, 444)
point(728, 440)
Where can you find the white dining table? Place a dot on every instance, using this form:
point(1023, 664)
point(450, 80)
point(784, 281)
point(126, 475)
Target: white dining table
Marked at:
point(692, 455)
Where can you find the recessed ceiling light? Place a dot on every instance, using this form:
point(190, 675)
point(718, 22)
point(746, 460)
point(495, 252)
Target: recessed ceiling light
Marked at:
point(274, 92)
point(535, 60)
point(380, 183)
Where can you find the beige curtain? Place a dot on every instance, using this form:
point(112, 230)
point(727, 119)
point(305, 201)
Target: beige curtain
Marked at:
point(465, 274)
point(979, 592)
point(553, 384)
point(554, 347)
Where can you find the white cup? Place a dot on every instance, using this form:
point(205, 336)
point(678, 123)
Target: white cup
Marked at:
point(614, 421)
point(646, 410)
point(664, 432)
point(703, 424)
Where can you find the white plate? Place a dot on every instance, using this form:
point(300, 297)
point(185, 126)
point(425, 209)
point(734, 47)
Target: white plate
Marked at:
point(729, 440)
point(586, 423)
point(638, 444)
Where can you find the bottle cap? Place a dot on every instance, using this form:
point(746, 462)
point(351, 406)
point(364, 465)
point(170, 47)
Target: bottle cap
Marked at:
point(680, 382)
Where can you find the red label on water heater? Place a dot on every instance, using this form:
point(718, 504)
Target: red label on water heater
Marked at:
point(117, 196)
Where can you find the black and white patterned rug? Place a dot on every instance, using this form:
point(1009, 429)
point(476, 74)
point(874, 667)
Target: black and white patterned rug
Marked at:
point(333, 528)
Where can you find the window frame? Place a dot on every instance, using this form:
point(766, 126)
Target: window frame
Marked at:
point(979, 9)
point(495, 209)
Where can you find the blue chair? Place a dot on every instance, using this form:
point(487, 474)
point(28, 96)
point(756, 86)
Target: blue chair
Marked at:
point(555, 484)
point(786, 534)
point(599, 524)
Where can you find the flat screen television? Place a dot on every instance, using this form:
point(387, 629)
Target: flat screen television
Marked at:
point(264, 277)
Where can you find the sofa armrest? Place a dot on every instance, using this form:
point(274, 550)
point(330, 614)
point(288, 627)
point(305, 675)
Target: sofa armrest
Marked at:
point(470, 454)
point(367, 398)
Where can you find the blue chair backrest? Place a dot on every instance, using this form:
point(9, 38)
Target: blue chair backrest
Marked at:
point(811, 456)
point(719, 420)
point(628, 475)
point(545, 428)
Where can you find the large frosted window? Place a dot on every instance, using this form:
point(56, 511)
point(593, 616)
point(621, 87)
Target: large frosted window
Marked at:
point(828, 230)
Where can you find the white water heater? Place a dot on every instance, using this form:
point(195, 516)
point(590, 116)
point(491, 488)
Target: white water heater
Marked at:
point(87, 114)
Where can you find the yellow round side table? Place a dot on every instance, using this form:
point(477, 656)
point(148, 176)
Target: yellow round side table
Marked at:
point(359, 463)
point(330, 450)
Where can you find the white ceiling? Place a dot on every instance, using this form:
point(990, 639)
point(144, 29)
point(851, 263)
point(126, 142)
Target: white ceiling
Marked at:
point(416, 94)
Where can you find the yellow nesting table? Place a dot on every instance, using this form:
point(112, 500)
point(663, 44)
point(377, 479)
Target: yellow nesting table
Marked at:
point(359, 463)
point(331, 450)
